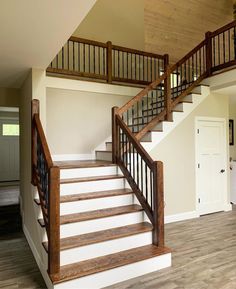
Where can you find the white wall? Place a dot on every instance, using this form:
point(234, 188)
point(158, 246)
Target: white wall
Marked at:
point(79, 120)
point(177, 151)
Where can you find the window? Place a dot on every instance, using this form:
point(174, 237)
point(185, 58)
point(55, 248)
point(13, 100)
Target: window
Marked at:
point(10, 130)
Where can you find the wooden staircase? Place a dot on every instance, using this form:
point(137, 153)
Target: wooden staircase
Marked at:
point(102, 221)
point(101, 231)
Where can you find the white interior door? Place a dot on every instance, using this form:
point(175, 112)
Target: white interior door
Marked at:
point(9, 150)
point(211, 165)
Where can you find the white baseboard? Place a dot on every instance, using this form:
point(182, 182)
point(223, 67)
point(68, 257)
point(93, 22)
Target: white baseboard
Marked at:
point(227, 207)
point(181, 217)
point(73, 157)
point(37, 258)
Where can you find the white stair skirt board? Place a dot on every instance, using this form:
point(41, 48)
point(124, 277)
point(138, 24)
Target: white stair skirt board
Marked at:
point(92, 186)
point(104, 248)
point(178, 117)
point(95, 225)
point(116, 275)
point(88, 172)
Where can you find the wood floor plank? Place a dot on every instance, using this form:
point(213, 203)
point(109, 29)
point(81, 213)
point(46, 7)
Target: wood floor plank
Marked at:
point(101, 236)
point(92, 266)
point(91, 179)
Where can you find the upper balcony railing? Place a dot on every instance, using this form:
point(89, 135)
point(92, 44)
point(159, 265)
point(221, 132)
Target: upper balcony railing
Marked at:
point(106, 62)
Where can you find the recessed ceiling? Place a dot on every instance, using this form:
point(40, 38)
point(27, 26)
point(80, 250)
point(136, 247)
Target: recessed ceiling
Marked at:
point(32, 32)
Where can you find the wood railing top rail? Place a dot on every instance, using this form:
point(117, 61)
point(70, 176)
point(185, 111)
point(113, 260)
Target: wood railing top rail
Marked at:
point(158, 81)
point(42, 137)
point(135, 51)
point(223, 29)
point(87, 41)
point(115, 47)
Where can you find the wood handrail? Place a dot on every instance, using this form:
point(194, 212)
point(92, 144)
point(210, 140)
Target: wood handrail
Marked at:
point(46, 177)
point(223, 28)
point(45, 147)
point(87, 41)
point(136, 51)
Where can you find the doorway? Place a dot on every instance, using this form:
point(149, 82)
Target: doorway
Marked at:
point(211, 165)
point(9, 170)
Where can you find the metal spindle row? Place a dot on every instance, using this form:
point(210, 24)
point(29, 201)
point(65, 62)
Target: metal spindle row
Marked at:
point(137, 167)
point(81, 58)
point(224, 47)
point(134, 66)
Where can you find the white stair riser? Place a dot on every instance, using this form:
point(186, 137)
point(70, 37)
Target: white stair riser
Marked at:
point(96, 204)
point(84, 227)
point(147, 137)
point(88, 172)
point(94, 186)
point(188, 97)
point(105, 156)
point(119, 274)
point(109, 146)
point(197, 89)
point(104, 248)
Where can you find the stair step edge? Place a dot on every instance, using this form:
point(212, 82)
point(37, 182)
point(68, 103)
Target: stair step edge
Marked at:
point(90, 179)
point(102, 236)
point(112, 261)
point(97, 214)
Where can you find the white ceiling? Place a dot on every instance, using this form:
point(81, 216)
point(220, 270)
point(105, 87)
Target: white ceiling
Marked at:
point(32, 32)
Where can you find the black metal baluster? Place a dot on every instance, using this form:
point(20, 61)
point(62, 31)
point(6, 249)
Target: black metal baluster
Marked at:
point(68, 55)
point(73, 56)
point(224, 46)
point(78, 56)
point(84, 56)
point(63, 57)
point(146, 182)
point(99, 60)
point(94, 59)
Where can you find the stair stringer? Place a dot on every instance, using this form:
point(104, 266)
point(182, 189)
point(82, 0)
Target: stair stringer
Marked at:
point(157, 136)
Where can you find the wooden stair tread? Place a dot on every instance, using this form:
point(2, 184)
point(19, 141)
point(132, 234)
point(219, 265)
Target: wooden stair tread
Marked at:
point(101, 236)
point(82, 164)
point(90, 179)
point(104, 263)
point(92, 195)
point(96, 214)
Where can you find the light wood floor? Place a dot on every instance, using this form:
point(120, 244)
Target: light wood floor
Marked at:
point(204, 257)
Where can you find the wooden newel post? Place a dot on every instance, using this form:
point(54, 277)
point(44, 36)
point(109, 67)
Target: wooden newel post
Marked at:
point(54, 221)
point(167, 87)
point(114, 135)
point(158, 232)
point(109, 62)
point(208, 53)
point(34, 110)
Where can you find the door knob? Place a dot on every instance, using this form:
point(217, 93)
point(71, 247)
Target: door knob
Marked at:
point(222, 171)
